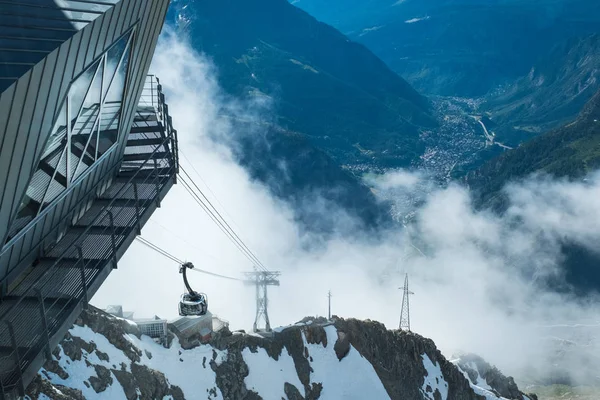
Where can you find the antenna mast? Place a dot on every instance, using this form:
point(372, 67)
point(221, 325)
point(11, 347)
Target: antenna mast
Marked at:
point(405, 311)
point(329, 311)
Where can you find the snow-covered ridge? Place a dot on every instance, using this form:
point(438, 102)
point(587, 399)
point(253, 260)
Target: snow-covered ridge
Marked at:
point(487, 381)
point(103, 357)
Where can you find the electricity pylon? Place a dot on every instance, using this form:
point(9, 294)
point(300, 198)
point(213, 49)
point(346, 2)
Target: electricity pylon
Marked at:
point(405, 311)
point(262, 279)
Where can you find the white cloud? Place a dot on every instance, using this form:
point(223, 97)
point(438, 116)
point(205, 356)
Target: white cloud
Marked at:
point(474, 273)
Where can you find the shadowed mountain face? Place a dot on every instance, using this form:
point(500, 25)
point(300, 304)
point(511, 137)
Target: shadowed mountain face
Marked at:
point(335, 107)
point(459, 47)
point(553, 92)
point(335, 91)
point(571, 151)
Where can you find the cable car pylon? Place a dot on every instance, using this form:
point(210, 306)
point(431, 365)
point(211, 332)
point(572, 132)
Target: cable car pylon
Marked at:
point(261, 279)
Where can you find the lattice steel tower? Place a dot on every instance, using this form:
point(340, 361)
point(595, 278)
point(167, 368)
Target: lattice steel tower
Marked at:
point(262, 279)
point(405, 311)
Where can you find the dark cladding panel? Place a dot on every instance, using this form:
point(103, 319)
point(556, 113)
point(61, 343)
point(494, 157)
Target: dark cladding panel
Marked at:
point(23, 137)
point(31, 29)
point(104, 27)
point(143, 55)
point(44, 92)
point(80, 61)
point(82, 49)
point(9, 168)
point(5, 108)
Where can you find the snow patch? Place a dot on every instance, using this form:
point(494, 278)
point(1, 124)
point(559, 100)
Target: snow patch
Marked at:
point(115, 356)
point(371, 29)
point(413, 20)
point(481, 388)
point(487, 394)
point(280, 371)
point(351, 378)
point(434, 379)
point(188, 369)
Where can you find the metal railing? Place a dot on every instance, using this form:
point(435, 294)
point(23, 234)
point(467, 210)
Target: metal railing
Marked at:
point(43, 303)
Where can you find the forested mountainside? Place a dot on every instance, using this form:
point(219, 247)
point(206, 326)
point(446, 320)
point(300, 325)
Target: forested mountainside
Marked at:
point(569, 152)
point(323, 85)
point(335, 107)
point(459, 47)
point(552, 93)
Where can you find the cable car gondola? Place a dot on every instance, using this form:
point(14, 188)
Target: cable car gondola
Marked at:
point(191, 303)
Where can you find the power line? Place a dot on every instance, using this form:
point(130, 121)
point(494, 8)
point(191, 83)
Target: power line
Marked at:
point(218, 219)
point(180, 262)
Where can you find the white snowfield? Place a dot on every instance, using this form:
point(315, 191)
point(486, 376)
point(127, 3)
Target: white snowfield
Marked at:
point(189, 370)
point(267, 376)
point(481, 387)
point(351, 378)
point(434, 379)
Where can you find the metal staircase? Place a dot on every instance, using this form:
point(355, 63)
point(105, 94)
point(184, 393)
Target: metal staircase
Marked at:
point(42, 304)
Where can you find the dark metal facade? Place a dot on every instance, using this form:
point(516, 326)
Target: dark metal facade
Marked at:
point(31, 107)
point(87, 151)
point(45, 300)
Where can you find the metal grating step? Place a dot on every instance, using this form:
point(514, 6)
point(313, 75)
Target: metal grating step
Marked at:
point(144, 156)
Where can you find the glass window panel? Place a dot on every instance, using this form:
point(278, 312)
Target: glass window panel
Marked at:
point(79, 89)
point(113, 58)
point(85, 153)
point(94, 128)
point(92, 100)
point(59, 132)
point(111, 109)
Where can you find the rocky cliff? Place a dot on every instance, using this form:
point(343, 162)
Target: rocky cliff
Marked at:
point(106, 357)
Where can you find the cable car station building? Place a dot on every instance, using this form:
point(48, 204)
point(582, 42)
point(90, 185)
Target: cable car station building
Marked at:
point(87, 152)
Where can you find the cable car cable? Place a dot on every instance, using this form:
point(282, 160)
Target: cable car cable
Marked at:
point(208, 187)
point(237, 238)
point(231, 235)
point(166, 254)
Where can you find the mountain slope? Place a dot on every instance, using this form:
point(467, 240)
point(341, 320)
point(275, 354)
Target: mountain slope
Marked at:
point(104, 357)
point(571, 151)
point(335, 91)
point(555, 90)
point(460, 47)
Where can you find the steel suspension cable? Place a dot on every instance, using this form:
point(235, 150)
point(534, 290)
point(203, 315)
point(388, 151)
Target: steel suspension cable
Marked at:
point(180, 262)
point(208, 187)
point(232, 236)
point(260, 264)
